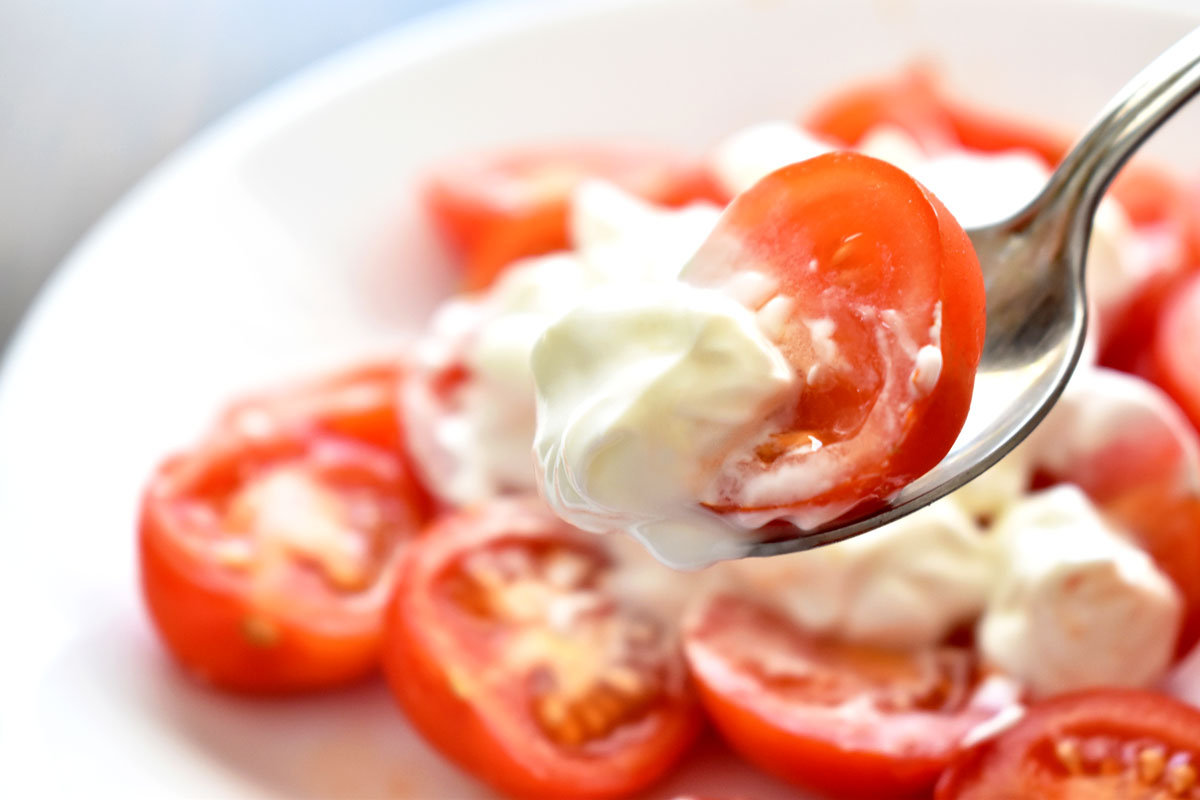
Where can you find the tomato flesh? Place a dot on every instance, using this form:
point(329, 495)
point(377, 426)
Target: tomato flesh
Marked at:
point(497, 208)
point(265, 551)
point(1110, 743)
point(848, 720)
point(873, 268)
point(507, 650)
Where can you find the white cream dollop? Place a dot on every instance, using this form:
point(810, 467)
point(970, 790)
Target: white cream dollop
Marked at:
point(476, 443)
point(1078, 605)
point(642, 392)
point(908, 584)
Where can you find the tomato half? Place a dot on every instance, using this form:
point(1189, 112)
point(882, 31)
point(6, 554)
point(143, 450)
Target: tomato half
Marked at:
point(884, 325)
point(915, 103)
point(265, 551)
point(1125, 744)
point(510, 652)
point(1177, 348)
point(496, 208)
point(848, 720)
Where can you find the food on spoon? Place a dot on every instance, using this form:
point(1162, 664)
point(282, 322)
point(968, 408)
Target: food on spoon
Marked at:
point(511, 651)
point(816, 356)
point(266, 551)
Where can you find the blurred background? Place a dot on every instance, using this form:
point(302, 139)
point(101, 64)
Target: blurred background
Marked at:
point(94, 93)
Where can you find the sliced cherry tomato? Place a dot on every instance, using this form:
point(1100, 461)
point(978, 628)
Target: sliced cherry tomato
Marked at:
point(497, 208)
point(1104, 743)
point(266, 550)
point(907, 101)
point(915, 103)
point(510, 652)
point(884, 324)
point(1177, 348)
point(848, 720)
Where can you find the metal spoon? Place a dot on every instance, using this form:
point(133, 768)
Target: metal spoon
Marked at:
point(1033, 267)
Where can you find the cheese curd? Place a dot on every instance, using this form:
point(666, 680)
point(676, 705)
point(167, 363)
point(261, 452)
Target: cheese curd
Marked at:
point(908, 584)
point(1077, 605)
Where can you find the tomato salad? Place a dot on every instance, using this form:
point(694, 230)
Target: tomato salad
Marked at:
point(787, 328)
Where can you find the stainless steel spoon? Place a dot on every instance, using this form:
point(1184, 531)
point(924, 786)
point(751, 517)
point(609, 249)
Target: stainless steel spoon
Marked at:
point(1033, 268)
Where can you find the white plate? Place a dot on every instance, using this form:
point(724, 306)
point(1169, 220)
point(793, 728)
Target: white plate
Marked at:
point(287, 238)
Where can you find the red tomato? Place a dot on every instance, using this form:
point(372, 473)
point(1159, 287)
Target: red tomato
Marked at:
point(510, 652)
point(1177, 348)
point(917, 105)
point(1103, 743)
point(848, 720)
point(873, 267)
point(1169, 225)
point(265, 551)
point(496, 208)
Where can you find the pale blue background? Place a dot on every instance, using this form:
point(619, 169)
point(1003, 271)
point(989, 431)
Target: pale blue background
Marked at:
point(93, 93)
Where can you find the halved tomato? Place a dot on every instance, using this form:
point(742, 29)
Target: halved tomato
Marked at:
point(498, 207)
point(509, 650)
point(884, 323)
point(1105, 743)
point(1177, 348)
point(848, 720)
point(917, 104)
point(266, 550)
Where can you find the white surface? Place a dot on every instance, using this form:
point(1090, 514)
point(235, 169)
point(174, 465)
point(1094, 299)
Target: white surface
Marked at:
point(287, 239)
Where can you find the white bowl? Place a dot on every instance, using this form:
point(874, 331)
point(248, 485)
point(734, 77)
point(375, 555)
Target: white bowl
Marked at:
point(288, 238)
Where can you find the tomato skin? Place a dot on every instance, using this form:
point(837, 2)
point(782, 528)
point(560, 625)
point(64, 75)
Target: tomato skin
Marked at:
point(1021, 761)
point(439, 673)
point(222, 626)
point(915, 103)
point(793, 732)
point(496, 208)
point(1176, 349)
point(833, 231)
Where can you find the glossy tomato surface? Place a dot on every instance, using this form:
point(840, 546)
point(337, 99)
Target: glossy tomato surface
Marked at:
point(498, 207)
point(266, 549)
point(876, 276)
point(847, 720)
point(1125, 744)
point(510, 652)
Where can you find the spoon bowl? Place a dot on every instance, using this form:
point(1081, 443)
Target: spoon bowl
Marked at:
point(1033, 270)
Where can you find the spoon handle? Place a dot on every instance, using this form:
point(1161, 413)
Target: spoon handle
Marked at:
point(1154, 94)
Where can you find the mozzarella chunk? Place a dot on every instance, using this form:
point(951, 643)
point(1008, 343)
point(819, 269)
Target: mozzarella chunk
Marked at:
point(905, 585)
point(1078, 605)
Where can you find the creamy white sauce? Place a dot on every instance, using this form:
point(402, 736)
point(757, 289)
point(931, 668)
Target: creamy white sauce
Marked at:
point(640, 397)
